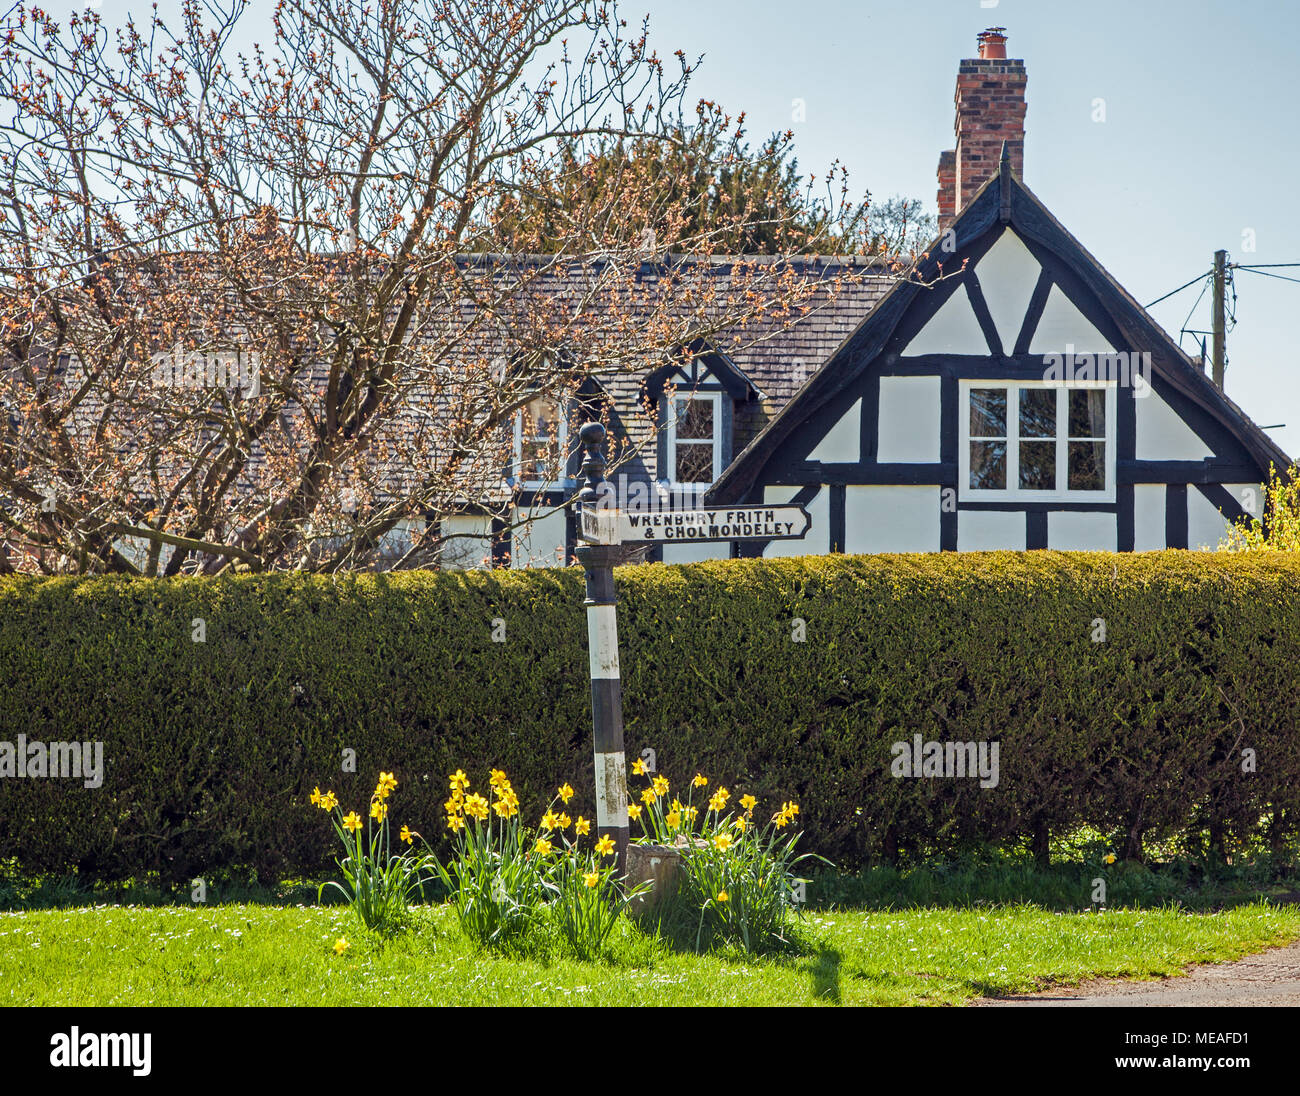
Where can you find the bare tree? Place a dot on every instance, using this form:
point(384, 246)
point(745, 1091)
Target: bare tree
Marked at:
point(258, 309)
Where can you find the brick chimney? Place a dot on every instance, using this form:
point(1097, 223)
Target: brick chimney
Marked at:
point(990, 101)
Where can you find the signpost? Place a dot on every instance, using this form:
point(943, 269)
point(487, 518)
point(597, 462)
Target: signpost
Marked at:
point(604, 528)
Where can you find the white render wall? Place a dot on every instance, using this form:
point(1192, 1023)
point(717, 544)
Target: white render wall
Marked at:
point(891, 519)
point(465, 554)
point(991, 530)
point(540, 543)
point(908, 430)
point(1082, 531)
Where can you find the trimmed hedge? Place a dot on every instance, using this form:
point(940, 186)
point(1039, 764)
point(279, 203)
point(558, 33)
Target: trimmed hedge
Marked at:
point(212, 747)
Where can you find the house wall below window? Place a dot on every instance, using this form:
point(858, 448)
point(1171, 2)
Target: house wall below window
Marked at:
point(541, 542)
point(471, 549)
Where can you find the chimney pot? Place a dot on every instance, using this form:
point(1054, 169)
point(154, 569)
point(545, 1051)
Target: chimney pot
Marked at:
point(993, 44)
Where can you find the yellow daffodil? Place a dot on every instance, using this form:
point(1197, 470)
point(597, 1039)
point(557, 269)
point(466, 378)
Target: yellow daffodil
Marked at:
point(504, 808)
point(591, 878)
point(689, 813)
point(722, 842)
point(673, 818)
point(352, 821)
point(700, 780)
point(329, 801)
point(582, 826)
point(454, 806)
point(723, 896)
point(648, 796)
point(455, 823)
point(1109, 858)
point(497, 778)
point(718, 800)
point(407, 836)
point(543, 847)
point(550, 820)
point(740, 824)
point(459, 781)
point(634, 812)
point(780, 821)
point(378, 811)
point(661, 785)
point(605, 846)
point(476, 806)
point(315, 797)
point(638, 767)
point(563, 821)
point(748, 802)
point(565, 793)
point(341, 945)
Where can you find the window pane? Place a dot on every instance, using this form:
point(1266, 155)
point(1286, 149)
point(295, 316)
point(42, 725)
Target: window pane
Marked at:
point(988, 465)
point(541, 419)
point(1087, 413)
point(1087, 465)
point(1038, 465)
point(538, 460)
point(988, 412)
point(695, 419)
point(1037, 413)
point(694, 463)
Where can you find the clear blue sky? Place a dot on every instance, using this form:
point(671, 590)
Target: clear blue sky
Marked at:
point(1201, 138)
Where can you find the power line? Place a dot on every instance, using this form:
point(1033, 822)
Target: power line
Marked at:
point(1266, 274)
point(1181, 288)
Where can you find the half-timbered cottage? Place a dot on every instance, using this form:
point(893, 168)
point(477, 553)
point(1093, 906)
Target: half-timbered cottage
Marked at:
point(1013, 396)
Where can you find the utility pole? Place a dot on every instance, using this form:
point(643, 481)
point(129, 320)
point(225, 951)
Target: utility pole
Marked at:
point(1217, 313)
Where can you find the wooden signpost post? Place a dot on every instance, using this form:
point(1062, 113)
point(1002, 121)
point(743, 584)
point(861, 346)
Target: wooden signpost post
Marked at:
point(604, 528)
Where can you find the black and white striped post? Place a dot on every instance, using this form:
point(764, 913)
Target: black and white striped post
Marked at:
point(602, 636)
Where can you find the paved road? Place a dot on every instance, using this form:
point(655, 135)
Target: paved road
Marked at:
point(1269, 978)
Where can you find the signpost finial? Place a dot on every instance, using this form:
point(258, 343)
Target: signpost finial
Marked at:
point(592, 436)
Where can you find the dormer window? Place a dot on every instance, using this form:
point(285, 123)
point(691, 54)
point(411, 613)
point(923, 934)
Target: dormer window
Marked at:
point(541, 442)
point(695, 438)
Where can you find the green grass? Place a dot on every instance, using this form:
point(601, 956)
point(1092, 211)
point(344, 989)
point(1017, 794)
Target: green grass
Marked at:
point(259, 955)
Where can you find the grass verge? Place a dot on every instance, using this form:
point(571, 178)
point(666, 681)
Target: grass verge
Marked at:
point(244, 954)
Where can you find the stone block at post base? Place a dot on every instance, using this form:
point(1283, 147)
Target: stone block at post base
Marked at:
point(658, 864)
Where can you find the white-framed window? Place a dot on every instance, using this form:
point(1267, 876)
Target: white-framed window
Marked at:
point(694, 449)
point(541, 443)
point(1037, 441)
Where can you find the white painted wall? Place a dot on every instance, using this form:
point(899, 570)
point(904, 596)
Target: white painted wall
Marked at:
point(466, 554)
point(891, 519)
point(1082, 531)
point(908, 431)
point(818, 540)
point(990, 530)
point(540, 543)
point(842, 444)
point(1062, 325)
point(1149, 517)
point(952, 330)
point(1008, 274)
point(1163, 435)
point(398, 540)
point(1205, 525)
